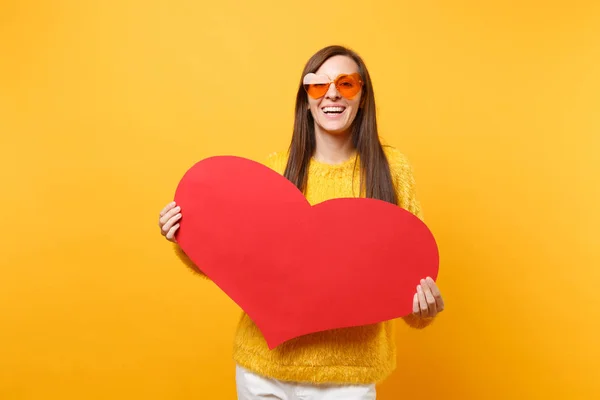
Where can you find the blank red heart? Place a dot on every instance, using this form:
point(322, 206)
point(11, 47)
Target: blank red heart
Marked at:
point(294, 268)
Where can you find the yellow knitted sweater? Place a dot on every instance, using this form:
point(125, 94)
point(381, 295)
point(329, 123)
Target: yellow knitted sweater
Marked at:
point(358, 355)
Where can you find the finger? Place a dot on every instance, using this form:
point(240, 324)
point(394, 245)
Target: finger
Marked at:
point(439, 301)
point(422, 302)
point(171, 234)
point(429, 298)
point(167, 208)
point(168, 215)
point(416, 309)
point(170, 223)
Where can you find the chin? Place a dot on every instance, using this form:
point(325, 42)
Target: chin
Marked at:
point(334, 127)
point(336, 131)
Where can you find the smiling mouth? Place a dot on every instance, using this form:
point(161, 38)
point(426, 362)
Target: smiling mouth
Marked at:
point(333, 111)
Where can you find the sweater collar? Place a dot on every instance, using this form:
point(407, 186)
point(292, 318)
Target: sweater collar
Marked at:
point(347, 165)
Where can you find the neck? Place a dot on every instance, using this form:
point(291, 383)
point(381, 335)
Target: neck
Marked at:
point(333, 148)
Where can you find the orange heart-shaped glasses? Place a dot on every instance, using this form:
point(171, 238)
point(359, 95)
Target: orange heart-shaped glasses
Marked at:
point(347, 84)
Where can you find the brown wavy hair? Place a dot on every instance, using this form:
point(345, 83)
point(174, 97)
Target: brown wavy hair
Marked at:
point(376, 181)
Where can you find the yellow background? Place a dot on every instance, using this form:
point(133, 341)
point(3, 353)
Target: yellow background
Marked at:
point(104, 105)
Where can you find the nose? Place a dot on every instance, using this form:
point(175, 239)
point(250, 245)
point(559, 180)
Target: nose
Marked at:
point(332, 92)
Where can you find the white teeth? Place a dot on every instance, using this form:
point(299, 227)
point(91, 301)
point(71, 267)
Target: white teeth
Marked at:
point(333, 109)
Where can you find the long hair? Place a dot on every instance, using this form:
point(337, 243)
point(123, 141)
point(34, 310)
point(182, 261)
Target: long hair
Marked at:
point(376, 181)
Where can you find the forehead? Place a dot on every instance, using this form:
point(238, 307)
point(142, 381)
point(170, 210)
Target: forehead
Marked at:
point(338, 65)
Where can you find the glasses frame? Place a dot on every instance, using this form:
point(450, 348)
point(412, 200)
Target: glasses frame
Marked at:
point(335, 81)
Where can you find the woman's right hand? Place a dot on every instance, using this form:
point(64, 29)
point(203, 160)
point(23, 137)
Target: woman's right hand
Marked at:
point(169, 221)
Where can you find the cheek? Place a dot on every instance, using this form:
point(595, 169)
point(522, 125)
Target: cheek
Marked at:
point(314, 108)
point(314, 112)
point(355, 105)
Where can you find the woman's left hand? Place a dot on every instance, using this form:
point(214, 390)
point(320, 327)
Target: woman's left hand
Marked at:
point(427, 302)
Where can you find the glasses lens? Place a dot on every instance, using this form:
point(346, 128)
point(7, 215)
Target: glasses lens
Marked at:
point(316, 85)
point(348, 85)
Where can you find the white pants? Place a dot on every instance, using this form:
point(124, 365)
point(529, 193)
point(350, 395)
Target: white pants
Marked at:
point(254, 387)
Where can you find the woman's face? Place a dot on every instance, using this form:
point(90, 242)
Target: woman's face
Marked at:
point(334, 113)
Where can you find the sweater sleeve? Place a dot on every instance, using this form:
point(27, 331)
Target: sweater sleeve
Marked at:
point(185, 259)
point(404, 181)
point(276, 161)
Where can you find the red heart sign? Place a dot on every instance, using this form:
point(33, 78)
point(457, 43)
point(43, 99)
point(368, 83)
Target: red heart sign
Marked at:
point(294, 268)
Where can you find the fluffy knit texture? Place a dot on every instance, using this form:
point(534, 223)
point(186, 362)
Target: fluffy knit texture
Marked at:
point(358, 355)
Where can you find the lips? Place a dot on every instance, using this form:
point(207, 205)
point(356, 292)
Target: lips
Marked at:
point(333, 111)
point(336, 110)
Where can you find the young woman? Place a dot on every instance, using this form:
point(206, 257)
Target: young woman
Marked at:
point(335, 151)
